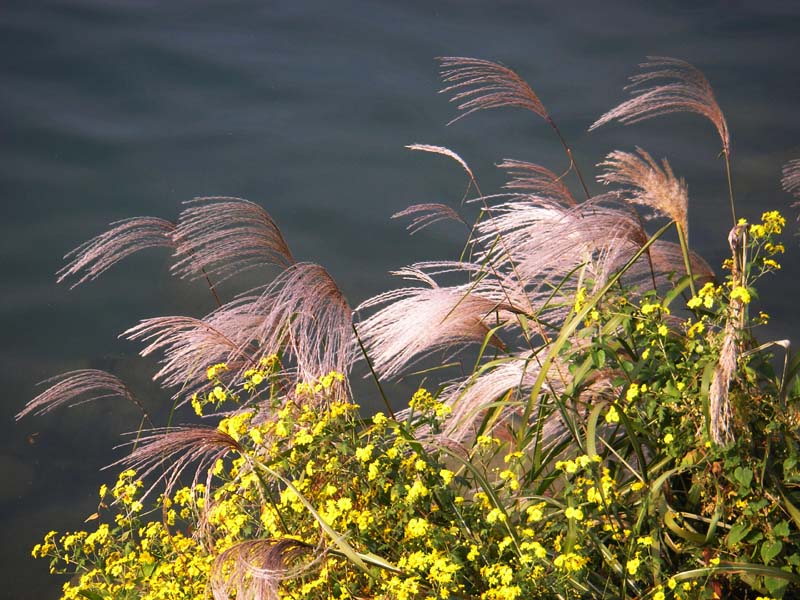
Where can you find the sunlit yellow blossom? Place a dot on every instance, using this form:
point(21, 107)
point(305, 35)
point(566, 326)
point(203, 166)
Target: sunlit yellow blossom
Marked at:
point(633, 565)
point(612, 416)
point(197, 405)
point(364, 454)
point(580, 299)
point(573, 513)
point(416, 491)
point(568, 466)
point(495, 515)
point(632, 393)
point(774, 248)
point(671, 583)
point(213, 370)
point(220, 395)
point(417, 528)
point(510, 478)
point(535, 513)
point(484, 441)
point(740, 293)
point(473, 553)
point(773, 222)
point(570, 561)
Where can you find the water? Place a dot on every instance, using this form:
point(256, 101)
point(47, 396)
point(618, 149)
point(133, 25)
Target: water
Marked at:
point(111, 110)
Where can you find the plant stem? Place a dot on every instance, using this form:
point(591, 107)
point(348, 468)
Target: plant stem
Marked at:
point(730, 184)
point(568, 150)
point(682, 238)
point(372, 370)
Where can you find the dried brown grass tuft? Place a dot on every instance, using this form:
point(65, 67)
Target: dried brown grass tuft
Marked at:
point(652, 185)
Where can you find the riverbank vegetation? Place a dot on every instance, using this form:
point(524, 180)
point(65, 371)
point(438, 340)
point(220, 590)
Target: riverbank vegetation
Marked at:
point(595, 414)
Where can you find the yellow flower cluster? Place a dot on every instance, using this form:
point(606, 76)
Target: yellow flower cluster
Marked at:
point(321, 385)
point(705, 296)
point(424, 402)
point(133, 558)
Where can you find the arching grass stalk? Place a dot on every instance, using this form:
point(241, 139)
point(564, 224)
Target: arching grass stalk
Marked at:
point(373, 374)
point(727, 155)
point(568, 151)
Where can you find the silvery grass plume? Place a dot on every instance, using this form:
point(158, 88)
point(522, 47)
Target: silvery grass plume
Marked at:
point(302, 313)
point(481, 84)
point(546, 241)
point(536, 179)
point(719, 405)
point(223, 236)
point(190, 346)
point(667, 261)
point(509, 382)
point(650, 185)
point(95, 256)
point(478, 84)
point(791, 178)
point(553, 250)
point(444, 152)
point(427, 214)
point(416, 321)
point(254, 569)
point(77, 387)
point(686, 90)
point(167, 453)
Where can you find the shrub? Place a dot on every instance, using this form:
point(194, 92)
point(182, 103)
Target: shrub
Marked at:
point(621, 434)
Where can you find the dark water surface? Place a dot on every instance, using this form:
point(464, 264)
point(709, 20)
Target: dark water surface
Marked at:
point(126, 108)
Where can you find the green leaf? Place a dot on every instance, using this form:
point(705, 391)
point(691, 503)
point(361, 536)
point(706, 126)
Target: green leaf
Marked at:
point(791, 509)
point(775, 586)
point(737, 534)
point(90, 595)
point(781, 529)
point(744, 476)
point(770, 550)
point(742, 569)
